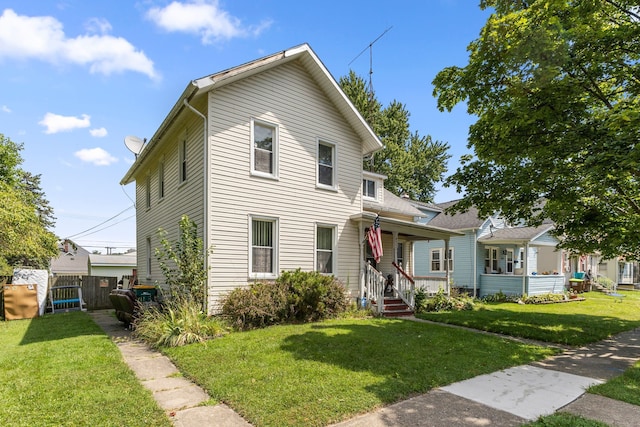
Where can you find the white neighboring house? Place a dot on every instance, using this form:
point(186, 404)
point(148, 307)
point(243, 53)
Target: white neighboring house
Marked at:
point(112, 265)
point(266, 158)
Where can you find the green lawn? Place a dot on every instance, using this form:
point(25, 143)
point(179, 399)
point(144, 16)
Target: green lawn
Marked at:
point(62, 370)
point(316, 374)
point(572, 323)
point(625, 387)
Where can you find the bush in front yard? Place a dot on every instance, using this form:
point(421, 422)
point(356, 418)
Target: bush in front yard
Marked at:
point(443, 302)
point(296, 296)
point(259, 305)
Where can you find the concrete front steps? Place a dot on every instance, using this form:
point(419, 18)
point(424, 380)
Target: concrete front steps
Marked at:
point(394, 307)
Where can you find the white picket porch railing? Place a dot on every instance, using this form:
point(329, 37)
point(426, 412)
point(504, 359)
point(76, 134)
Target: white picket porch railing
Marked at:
point(374, 282)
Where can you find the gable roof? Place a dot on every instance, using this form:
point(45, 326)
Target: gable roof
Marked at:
point(309, 60)
point(458, 221)
point(392, 204)
point(516, 234)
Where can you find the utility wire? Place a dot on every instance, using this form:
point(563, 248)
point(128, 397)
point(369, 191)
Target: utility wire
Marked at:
point(103, 222)
point(103, 228)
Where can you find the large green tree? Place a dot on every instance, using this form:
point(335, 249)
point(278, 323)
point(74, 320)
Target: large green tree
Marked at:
point(25, 214)
point(555, 85)
point(412, 163)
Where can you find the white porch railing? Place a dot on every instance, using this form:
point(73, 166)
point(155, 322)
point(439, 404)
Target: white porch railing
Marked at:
point(406, 287)
point(374, 282)
point(432, 284)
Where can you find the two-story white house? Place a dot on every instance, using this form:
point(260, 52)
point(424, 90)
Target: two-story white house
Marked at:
point(266, 158)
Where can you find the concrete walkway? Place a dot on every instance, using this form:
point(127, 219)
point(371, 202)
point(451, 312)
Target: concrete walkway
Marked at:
point(178, 397)
point(510, 397)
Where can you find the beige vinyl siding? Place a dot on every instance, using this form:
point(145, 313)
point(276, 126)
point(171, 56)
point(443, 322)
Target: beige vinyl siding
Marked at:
point(289, 98)
point(179, 198)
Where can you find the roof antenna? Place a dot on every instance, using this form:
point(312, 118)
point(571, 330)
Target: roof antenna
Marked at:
point(371, 117)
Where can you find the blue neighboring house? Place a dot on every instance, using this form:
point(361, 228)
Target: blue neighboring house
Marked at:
point(491, 256)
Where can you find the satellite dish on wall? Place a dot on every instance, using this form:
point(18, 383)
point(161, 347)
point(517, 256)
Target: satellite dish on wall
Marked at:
point(134, 144)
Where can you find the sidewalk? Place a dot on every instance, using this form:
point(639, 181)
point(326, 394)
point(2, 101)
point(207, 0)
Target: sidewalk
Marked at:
point(179, 397)
point(510, 397)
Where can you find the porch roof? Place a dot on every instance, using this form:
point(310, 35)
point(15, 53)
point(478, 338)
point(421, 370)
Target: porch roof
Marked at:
point(518, 235)
point(408, 229)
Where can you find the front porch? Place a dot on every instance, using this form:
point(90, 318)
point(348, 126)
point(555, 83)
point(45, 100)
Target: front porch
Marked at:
point(397, 261)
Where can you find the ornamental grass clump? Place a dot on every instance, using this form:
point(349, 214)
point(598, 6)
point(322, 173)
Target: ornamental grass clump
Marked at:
point(181, 318)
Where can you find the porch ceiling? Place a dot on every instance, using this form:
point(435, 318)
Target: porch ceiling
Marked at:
point(409, 230)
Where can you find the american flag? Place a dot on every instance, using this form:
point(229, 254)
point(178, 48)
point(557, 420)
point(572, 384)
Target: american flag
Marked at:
point(375, 239)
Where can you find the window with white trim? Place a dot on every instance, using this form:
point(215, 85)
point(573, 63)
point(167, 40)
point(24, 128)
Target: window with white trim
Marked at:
point(438, 261)
point(183, 160)
point(148, 258)
point(264, 149)
point(369, 188)
point(161, 179)
point(325, 239)
point(326, 164)
point(147, 192)
point(400, 255)
point(264, 247)
point(491, 259)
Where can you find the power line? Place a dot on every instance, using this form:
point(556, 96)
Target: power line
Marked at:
point(103, 228)
point(104, 222)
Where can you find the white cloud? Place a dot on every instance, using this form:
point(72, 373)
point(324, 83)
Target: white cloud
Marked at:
point(97, 156)
point(56, 123)
point(98, 26)
point(43, 38)
point(204, 18)
point(98, 132)
point(5, 109)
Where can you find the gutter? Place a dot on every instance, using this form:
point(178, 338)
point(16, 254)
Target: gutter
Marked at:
point(205, 187)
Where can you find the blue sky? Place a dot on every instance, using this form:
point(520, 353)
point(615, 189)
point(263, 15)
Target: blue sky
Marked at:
point(77, 76)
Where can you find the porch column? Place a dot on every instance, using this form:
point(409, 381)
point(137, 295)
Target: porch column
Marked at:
point(446, 265)
point(525, 268)
point(362, 261)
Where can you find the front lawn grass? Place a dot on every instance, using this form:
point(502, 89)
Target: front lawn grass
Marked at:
point(625, 387)
point(62, 370)
point(572, 323)
point(563, 419)
point(320, 373)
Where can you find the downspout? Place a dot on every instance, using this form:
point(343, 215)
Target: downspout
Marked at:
point(205, 222)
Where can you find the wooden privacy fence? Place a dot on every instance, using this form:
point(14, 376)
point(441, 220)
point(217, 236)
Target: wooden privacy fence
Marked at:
point(95, 289)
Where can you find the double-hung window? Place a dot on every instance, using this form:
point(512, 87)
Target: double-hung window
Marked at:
point(326, 165)
point(161, 179)
point(264, 247)
point(325, 238)
point(491, 259)
point(438, 260)
point(183, 161)
point(147, 192)
point(264, 149)
point(369, 188)
point(149, 249)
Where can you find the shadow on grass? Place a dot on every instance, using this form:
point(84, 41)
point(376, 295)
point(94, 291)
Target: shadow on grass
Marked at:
point(408, 357)
point(53, 327)
point(573, 324)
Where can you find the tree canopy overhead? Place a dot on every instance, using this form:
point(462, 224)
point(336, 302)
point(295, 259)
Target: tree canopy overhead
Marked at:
point(25, 214)
point(412, 163)
point(555, 85)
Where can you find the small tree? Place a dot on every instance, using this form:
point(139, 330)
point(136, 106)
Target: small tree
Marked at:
point(182, 264)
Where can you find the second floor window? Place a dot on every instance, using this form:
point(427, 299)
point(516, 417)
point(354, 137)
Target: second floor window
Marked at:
point(161, 179)
point(326, 167)
point(183, 161)
point(264, 149)
point(369, 188)
point(147, 194)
